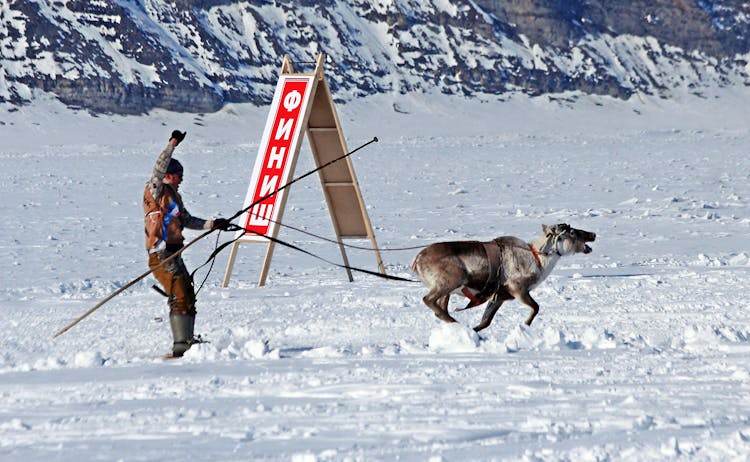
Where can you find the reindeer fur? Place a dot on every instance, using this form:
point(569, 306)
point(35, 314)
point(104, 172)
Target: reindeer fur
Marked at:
point(450, 267)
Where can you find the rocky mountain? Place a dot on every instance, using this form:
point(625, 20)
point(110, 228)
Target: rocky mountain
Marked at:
point(130, 56)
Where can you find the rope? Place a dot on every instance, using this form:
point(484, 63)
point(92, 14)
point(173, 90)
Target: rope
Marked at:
point(218, 249)
point(352, 268)
point(213, 260)
point(351, 246)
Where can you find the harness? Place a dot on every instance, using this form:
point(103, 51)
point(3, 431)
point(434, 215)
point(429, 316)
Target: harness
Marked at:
point(492, 249)
point(493, 252)
point(552, 240)
point(536, 256)
point(494, 255)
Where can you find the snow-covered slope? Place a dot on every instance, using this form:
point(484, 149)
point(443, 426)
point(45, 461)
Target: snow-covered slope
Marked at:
point(130, 56)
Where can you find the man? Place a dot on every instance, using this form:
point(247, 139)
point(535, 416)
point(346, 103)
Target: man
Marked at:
point(165, 217)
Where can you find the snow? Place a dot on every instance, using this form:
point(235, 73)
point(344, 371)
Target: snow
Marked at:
point(639, 351)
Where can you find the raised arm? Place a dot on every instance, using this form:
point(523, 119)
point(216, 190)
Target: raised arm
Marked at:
point(156, 182)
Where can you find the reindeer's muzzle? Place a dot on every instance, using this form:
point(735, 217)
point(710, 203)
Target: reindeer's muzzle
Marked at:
point(587, 237)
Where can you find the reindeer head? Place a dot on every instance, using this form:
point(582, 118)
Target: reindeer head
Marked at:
point(564, 240)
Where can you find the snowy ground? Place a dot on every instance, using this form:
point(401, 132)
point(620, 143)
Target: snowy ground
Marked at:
point(640, 351)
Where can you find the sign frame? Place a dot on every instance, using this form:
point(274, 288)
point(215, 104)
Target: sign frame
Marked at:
point(316, 115)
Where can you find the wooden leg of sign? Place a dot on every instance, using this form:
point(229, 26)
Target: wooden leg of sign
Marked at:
point(266, 264)
point(381, 266)
point(230, 264)
point(346, 261)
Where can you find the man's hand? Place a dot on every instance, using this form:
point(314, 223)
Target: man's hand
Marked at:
point(177, 137)
point(222, 224)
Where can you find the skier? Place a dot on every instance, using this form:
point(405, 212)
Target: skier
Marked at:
point(165, 217)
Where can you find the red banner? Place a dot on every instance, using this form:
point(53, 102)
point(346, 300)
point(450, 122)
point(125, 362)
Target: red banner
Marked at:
point(275, 154)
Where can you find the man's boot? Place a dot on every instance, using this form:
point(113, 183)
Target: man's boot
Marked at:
point(182, 332)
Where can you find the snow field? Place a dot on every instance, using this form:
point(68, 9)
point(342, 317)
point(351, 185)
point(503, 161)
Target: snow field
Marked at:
point(639, 351)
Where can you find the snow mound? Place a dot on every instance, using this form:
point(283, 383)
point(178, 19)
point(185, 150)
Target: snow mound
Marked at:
point(523, 337)
point(453, 338)
point(88, 359)
point(739, 259)
point(696, 338)
point(249, 349)
point(234, 344)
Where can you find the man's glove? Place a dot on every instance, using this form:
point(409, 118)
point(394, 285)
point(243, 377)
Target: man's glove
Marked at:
point(178, 136)
point(222, 224)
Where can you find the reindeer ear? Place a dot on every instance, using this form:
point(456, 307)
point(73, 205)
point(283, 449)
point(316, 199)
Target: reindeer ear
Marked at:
point(546, 229)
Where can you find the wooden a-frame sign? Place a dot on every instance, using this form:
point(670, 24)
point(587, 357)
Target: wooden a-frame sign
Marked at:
point(302, 102)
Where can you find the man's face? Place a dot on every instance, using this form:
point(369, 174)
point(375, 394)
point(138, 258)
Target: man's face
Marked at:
point(173, 179)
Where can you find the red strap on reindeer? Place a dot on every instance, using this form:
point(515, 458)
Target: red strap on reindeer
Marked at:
point(474, 300)
point(536, 256)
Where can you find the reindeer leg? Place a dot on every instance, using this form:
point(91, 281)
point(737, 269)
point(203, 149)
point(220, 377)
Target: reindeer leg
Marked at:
point(525, 297)
point(438, 303)
point(443, 304)
point(489, 313)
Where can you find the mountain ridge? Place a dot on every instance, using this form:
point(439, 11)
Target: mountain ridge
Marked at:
point(132, 56)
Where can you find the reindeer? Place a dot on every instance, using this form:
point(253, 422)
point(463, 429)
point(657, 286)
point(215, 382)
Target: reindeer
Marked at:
point(499, 270)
